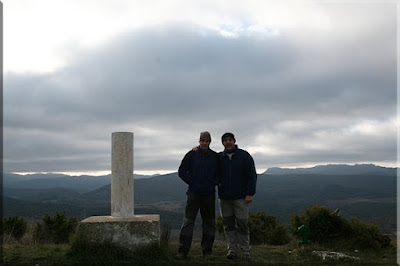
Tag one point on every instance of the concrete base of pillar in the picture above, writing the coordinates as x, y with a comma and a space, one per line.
129, 233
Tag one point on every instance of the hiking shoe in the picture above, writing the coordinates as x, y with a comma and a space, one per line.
180, 256
231, 256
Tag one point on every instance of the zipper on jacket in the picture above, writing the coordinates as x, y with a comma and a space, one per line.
230, 173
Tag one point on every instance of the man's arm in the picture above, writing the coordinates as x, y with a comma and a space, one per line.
252, 179
219, 171
185, 172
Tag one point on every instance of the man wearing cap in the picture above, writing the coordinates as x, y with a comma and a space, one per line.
198, 169
237, 185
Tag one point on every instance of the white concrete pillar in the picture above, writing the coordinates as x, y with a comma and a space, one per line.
122, 175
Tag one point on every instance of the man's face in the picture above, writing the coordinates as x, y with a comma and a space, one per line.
204, 144
228, 143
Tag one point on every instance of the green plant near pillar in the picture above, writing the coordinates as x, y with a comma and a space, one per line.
304, 233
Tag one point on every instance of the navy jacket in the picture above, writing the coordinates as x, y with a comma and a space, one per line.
237, 176
199, 171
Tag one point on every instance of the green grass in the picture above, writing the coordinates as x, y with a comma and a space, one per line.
51, 254
48, 254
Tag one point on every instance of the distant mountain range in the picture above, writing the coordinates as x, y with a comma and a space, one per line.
87, 183
82, 183
335, 169
368, 195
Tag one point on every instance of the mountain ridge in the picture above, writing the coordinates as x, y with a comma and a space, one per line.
86, 183
334, 169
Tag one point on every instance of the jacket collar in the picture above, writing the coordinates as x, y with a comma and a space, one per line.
199, 150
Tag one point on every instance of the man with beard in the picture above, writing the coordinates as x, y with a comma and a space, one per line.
237, 185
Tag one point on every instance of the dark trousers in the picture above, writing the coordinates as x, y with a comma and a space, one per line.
206, 205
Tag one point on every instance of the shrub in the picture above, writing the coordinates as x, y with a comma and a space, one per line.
15, 226
323, 223
368, 235
278, 236
40, 235
264, 229
295, 222
57, 229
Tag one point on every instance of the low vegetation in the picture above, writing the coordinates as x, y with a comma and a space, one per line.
264, 229
57, 242
325, 225
14, 226
57, 229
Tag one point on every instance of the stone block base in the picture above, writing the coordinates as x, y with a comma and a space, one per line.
129, 233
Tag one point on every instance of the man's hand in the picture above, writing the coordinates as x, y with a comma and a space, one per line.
194, 148
248, 199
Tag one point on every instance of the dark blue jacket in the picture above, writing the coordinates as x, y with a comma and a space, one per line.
237, 176
199, 171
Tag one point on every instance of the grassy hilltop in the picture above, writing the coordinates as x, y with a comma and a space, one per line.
56, 241
53, 254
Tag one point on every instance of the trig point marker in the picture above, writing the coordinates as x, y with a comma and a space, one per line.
122, 174
122, 228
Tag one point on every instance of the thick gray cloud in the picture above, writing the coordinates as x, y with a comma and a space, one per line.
305, 96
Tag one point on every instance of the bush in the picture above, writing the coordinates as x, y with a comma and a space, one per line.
264, 229
39, 234
57, 229
325, 225
322, 222
278, 236
15, 226
368, 235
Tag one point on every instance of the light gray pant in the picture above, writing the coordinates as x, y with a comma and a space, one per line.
235, 217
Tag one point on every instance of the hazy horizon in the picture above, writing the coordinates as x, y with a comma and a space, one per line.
157, 172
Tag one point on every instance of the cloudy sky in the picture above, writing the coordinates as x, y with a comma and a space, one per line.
298, 83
